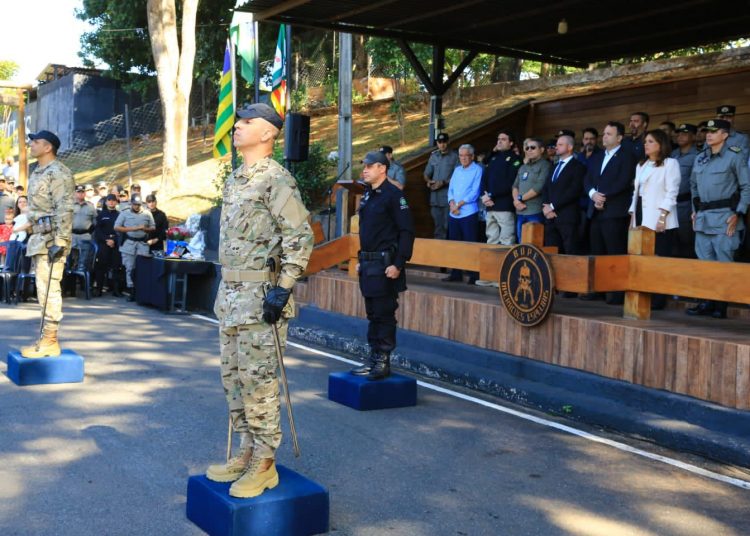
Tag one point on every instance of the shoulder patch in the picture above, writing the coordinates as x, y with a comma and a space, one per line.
735, 149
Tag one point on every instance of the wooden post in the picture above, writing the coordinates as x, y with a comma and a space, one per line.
533, 233
354, 247
23, 164
641, 241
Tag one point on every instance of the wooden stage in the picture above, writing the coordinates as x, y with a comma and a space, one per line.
701, 357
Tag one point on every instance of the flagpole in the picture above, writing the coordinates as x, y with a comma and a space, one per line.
256, 66
233, 69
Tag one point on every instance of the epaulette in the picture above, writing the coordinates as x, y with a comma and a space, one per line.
735, 149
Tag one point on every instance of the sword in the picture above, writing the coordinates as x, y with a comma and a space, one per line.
277, 344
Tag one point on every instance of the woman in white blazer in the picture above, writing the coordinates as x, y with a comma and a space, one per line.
654, 204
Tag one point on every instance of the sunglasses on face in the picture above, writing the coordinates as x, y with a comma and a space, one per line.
530, 148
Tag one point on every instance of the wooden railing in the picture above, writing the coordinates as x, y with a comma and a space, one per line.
638, 274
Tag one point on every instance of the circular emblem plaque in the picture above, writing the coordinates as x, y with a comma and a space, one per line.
526, 284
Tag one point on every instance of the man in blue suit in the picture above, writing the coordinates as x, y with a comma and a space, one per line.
609, 184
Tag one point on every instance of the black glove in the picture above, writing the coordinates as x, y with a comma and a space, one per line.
54, 253
274, 303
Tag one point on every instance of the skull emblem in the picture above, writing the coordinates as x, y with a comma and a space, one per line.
524, 293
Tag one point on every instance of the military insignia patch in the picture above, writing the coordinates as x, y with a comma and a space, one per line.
525, 176
736, 149
516, 163
403, 203
507, 158
526, 285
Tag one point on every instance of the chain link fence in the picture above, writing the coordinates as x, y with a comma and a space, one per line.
111, 147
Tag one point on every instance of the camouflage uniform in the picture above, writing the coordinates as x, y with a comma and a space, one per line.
262, 217
50, 194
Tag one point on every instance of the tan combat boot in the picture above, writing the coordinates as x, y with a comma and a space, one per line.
47, 345
232, 470
255, 480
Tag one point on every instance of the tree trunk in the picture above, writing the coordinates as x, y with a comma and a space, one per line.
174, 74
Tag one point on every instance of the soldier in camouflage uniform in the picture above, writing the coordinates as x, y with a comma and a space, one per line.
263, 218
51, 215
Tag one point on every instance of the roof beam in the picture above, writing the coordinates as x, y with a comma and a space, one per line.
460, 69
282, 7
363, 9
516, 15
638, 15
447, 42
689, 30
417, 66
431, 14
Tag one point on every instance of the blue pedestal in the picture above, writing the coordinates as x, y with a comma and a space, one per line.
297, 506
395, 391
65, 368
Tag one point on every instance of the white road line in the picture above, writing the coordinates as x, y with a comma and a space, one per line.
744, 484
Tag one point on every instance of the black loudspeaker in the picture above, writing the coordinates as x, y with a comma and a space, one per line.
297, 137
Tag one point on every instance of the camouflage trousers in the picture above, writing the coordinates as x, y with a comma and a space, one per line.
248, 373
41, 269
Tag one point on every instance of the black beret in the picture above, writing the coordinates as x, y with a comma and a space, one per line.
261, 111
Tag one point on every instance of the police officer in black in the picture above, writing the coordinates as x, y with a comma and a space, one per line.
386, 234
108, 255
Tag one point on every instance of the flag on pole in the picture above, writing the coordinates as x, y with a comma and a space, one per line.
242, 34
225, 112
278, 93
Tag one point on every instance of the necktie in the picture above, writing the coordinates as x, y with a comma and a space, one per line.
557, 171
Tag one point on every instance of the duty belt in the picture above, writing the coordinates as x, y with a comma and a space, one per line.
143, 239
81, 231
730, 202
245, 276
386, 256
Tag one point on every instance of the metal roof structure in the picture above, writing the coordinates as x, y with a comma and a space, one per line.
596, 31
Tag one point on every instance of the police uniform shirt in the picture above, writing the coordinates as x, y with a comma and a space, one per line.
6, 202
385, 222
717, 177
105, 225
497, 179
532, 176
397, 172
440, 167
739, 139
84, 216
130, 218
686, 161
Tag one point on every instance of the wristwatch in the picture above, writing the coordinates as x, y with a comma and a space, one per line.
520, 197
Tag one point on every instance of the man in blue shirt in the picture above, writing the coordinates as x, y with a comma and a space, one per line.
463, 204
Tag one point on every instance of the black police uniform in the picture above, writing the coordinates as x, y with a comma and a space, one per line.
107, 258
386, 234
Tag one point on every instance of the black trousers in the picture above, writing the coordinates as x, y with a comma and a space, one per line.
610, 237
562, 235
381, 313
107, 259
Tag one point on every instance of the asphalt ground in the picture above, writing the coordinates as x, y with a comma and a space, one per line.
111, 456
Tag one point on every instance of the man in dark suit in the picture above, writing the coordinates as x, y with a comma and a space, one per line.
560, 198
609, 183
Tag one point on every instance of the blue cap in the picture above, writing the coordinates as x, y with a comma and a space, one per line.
48, 136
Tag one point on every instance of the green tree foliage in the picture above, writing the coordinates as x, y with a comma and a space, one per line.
120, 38
8, 69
